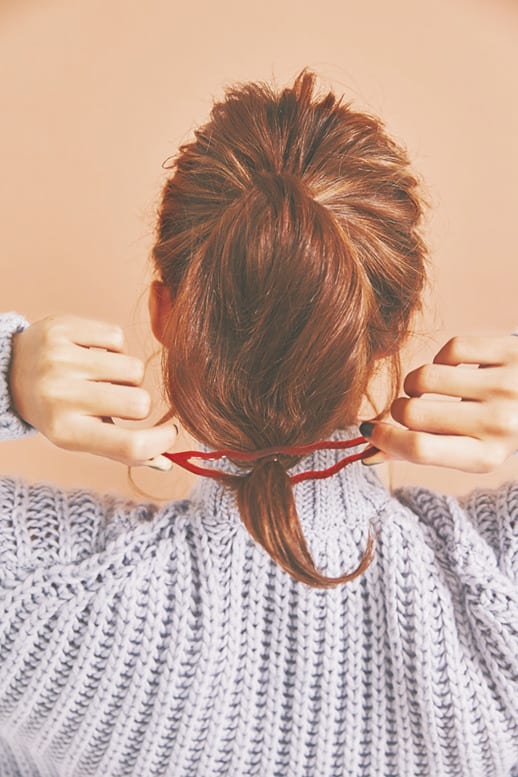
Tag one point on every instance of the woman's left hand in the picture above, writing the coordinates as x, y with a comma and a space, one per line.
477, 434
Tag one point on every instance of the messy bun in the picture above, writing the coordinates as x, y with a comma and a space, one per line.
288, 234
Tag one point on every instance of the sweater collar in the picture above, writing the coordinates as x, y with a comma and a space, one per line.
334, 509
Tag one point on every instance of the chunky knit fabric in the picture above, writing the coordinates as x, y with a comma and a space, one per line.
163, 641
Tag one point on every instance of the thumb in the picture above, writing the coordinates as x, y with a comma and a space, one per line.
385, 438
161, 438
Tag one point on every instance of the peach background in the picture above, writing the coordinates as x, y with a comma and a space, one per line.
95, 95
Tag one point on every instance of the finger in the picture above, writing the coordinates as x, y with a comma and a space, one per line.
107, 399
129, 446
89, 332
457, 452
487, 351
465, 382
474, 419
105, 366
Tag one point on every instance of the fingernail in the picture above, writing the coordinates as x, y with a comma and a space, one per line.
159, 462
366, 428
376, 458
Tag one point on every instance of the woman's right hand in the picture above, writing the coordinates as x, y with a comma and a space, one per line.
67, 390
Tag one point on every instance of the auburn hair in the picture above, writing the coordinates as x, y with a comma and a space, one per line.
289, 236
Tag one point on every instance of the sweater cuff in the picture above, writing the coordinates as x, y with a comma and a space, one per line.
12, 425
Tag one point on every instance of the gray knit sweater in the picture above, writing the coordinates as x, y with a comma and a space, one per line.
146, 640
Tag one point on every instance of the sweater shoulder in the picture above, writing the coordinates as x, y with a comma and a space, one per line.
43, 525
484, 521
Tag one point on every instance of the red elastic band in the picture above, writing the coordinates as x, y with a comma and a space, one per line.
182, 458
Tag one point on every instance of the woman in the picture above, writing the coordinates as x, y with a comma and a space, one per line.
276, 623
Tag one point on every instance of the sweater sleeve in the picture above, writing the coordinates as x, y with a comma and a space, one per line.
477, 534
11, 425
40, 524
494, 513
476, 544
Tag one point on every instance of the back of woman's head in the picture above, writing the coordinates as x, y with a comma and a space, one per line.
288, 235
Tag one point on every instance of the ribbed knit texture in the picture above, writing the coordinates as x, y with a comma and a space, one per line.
163, 641
11, 425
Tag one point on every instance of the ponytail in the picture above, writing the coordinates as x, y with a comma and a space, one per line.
267, 507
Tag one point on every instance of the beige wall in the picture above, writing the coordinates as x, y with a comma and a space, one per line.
95, 95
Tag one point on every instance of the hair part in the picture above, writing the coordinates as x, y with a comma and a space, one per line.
289, 236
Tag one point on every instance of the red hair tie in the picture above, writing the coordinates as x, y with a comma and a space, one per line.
182, 458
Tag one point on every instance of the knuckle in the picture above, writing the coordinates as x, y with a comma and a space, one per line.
511, 425
417, 449
493, 421
502, 420
53, 327
118, 335
55, 355
411, 413
426, 378
456, 348
47, 329
507, 385
135, 449
141, 403
137, 370
492, 456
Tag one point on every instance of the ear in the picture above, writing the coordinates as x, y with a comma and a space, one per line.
159, 305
